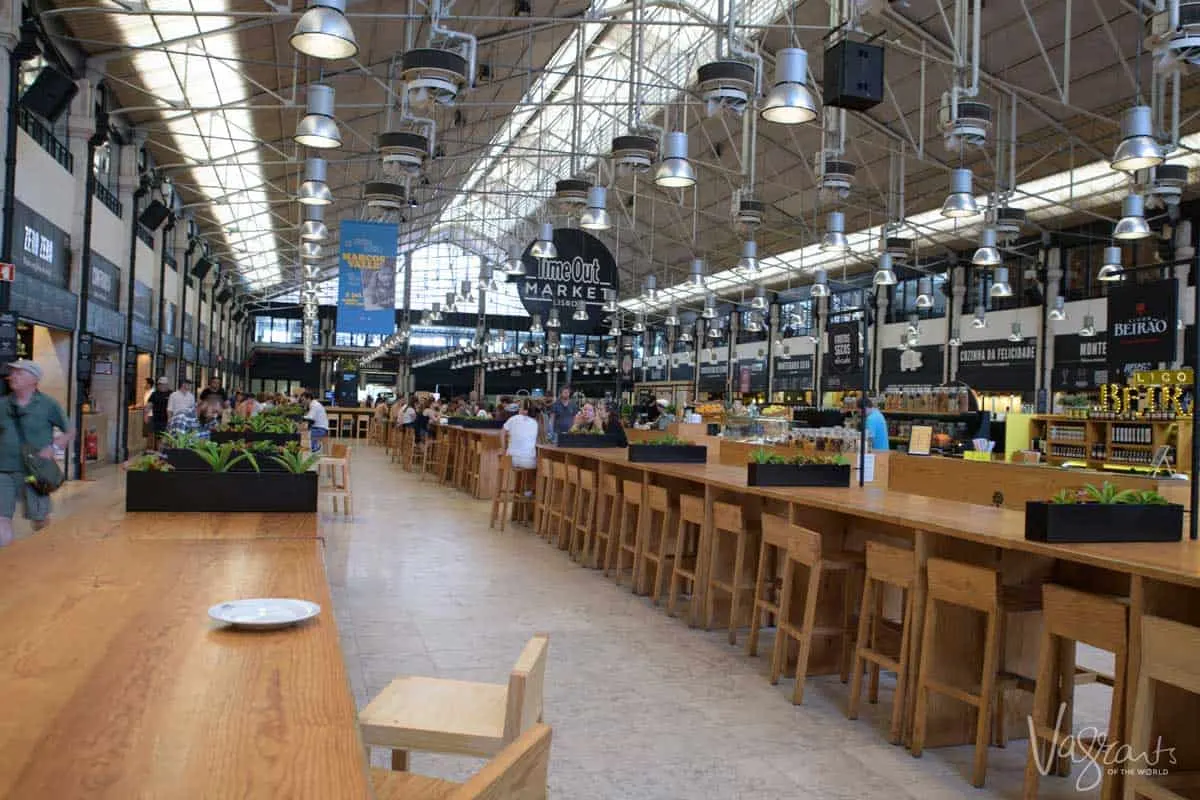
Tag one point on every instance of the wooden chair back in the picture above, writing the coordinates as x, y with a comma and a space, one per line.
728, 517
558, 471
657, 499
1085, 617
587, 480
632, 492
525, 684
609, 487
339, 450
891, 565
776, 530
963, 584
1170, 652
518, 772
691, 509
804, 546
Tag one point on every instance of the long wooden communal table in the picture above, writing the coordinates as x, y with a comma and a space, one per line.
115, 684
1162, 579
489, 454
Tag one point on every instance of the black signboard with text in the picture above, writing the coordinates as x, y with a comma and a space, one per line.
843, 362
793, 374
170, 346
1141, 325
105, 322
1080, 362
40, 249
580, 272
143, 303
105, 285
712, 376
914, 366
998, 365
8, 337
751, 375
682, 372
83, 362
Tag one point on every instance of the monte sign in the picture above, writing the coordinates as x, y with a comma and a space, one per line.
579, 273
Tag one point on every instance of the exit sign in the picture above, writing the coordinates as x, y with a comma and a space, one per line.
7, 272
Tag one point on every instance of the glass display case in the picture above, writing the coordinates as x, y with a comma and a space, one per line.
772, 431
757, 430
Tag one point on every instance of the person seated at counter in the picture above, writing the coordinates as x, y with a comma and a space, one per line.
519, 436
199, 419
610, 423
586, 420
876, 425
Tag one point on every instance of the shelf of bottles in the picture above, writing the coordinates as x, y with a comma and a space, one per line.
1125, 455
1068, 433
1132, 434
1071, 451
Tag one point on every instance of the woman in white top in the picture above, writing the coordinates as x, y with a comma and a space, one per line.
519, 437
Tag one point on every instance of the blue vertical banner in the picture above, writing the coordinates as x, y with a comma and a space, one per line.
367, 277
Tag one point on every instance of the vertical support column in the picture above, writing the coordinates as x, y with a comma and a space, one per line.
958, 296
882, 301
821, 310
1185, 253
731, 364
1054, 275
772, 333
15, 53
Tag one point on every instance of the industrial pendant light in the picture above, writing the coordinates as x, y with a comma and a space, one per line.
1016, 336
1132, 224
313, 228
884, 274
1088, 329
1138, 149
1059, 312
790, 102
820, 287
834, 240
749, 260
714, 329
435, 313
710, 306
595, 217
759, 303
515, 264
697, 271
639, 323
318, 128
581, 313
553, 321
487, 278
672, 319
651, 289
955, 337
987, 255
614, 329
1000, 286
753, 324
535, 323
961, 200
1111, 269
310, 251
980, 319
925, 293
675, 171
610, 301
314, 191
685, 335
544, 247
324, 32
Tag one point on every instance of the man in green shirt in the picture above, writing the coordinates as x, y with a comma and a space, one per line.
37, 416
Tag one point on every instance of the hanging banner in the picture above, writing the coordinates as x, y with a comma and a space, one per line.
998, 365
367, 278
1141, 326
1080, 362
579, 273
914, 366
845, 355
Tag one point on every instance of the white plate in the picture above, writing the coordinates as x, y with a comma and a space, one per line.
264, 613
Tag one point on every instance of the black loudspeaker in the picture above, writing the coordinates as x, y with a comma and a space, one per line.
154, 215
50, 94
202, 266
853, 75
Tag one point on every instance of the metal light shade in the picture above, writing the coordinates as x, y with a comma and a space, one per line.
313, 228
1132, 224
749, 259
544, 247
1016, 336
961, 200
651, 288
955, 337
790, 102
714, 330
1088, 328
595, 217
324, 32
987, 255
1059, 312
1111, 270
553, 321
1000, 286
318, 128
834, 240
535, 323
925, 293
980, 320
760, 298
672, 316
310, 251
675, 171
884, 275
581, 313
820, 287
639, 324
1138, 149
697, 271
314, 191
610, 302
753, 325
710, 306
614, 329
685, 335
515, 265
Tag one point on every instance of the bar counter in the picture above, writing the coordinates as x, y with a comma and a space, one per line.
115, 683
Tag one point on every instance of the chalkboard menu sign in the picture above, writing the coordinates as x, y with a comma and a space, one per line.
143, 336
712, 376
793, 374
1080, 362
655, 373
45, 303
170, 346
998, 365
189, 351
914, 366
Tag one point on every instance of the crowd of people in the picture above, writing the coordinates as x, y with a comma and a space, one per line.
180, 410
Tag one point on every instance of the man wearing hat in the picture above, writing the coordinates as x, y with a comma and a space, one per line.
157, 415
30, 416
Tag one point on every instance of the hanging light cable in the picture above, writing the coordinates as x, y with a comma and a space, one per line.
324, 32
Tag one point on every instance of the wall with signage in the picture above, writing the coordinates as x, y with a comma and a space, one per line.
914, 366
794, 373
42, 254
998, 365
110, 234
1080, 362
146, 266
42, 183
842, 362
1141, 325
712, 375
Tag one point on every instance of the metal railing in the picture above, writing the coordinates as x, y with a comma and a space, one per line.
110, 201
146, 236
42, 134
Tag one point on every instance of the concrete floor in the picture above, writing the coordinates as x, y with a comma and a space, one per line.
642, 706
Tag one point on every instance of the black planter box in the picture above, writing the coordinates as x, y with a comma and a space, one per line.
668, 453
482, 424
190, 461
211, 492
220, 437
797, 474
585, 440
1096, 522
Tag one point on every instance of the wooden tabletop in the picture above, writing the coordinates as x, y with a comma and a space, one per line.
115, 683
1176, 562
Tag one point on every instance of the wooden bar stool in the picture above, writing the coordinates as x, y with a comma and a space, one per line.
656, 545
629, 519
471, 466
977, 588
585, 512
1070, 616
604, 532
567, 508
804, 550
731, 565
897, 568
552, 513
689, 556
1170, 652
510, 493
772, 552
338, 465
437, 454
541, 488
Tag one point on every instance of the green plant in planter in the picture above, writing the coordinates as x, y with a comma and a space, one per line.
585, 431
1065, 497
235, 424
182, 440
222, 457
763, 456
668, 441
296, 460
260, 447
1107, 494
261, 424
1148, 497
150, 462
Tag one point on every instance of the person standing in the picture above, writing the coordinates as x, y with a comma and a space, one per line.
318, 420
29, 417
181, 399
518, 438
157, 416
562, 413
214, 390
876, 425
